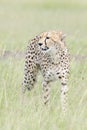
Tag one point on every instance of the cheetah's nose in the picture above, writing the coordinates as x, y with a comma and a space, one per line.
40, 44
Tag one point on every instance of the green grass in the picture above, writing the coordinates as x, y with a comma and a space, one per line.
20, 20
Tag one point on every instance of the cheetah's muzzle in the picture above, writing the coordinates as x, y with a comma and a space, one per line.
45, 49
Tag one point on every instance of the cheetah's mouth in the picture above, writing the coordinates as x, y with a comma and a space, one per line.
45, 49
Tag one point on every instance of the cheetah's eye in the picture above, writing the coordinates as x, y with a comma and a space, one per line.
47, 37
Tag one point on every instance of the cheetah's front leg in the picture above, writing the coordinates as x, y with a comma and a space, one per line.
30, 74
64, 90
46, 92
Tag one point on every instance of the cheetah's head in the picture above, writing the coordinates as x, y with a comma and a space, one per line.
48, 40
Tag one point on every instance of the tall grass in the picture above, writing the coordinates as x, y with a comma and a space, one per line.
19, 22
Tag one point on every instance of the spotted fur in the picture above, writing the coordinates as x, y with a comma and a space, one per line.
48, 53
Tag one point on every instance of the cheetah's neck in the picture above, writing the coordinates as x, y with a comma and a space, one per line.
57, 53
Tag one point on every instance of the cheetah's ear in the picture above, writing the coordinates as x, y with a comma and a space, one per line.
62, 36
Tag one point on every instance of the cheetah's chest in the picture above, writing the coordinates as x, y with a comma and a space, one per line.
52, 73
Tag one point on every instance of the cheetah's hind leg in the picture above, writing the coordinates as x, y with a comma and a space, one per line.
46, 92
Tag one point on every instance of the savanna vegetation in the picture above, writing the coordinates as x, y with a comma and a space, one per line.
21, 20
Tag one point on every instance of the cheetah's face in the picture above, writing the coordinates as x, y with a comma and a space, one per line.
49, 39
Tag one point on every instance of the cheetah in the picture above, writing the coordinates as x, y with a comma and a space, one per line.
48, 53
